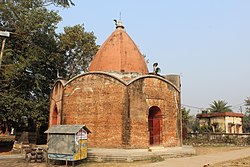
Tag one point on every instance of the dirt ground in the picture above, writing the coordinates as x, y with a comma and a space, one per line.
244, 162
199, 150
202, 150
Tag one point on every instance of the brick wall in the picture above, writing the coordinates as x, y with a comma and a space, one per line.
117, 113
218, 138
96, 101
148, 92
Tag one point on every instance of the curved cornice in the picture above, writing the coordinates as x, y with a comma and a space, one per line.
122, 81
154, 76
59, 81
88, 73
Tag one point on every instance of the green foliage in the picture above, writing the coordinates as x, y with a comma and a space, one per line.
247, 103
189, 122
220, 106
64, 3
248, 140
32, 56
156, 159
205, 128
219, 129
195, 126
78, 48
29, 64
246, 123
246, 118
185, 115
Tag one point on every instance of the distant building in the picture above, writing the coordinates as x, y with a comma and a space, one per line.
228, 122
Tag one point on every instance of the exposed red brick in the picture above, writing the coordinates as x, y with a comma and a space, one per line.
119, 53
116, 111
117, 114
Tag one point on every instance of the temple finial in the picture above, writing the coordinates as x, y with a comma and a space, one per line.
118, 23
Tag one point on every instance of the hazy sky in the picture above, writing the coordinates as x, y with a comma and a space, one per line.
206, 42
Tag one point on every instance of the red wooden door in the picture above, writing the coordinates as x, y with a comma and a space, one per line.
155, 124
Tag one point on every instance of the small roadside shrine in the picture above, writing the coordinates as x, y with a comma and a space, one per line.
67, 142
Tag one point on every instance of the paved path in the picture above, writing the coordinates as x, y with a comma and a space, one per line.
199, 161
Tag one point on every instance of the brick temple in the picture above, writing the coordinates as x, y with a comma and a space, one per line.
122, 104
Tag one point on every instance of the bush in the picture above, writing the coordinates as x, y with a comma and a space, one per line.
205, 128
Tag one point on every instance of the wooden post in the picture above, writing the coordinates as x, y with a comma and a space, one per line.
1, 54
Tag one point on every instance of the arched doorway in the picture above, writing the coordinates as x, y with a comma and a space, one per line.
155, 125
54, 116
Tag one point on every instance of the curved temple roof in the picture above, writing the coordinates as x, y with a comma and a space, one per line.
119, 53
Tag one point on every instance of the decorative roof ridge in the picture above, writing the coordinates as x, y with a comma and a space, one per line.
122, 81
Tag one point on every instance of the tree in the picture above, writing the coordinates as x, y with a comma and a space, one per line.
29, 64
78, 47
185, 114
63, 3
246, 118
220, 106
185, 122
205, 128
32, 56
247, 101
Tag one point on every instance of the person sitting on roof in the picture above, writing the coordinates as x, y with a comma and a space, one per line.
157, 69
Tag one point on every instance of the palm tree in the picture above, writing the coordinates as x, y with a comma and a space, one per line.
220, 106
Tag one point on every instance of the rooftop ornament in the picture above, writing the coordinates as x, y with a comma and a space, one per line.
118, 24
157, 69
